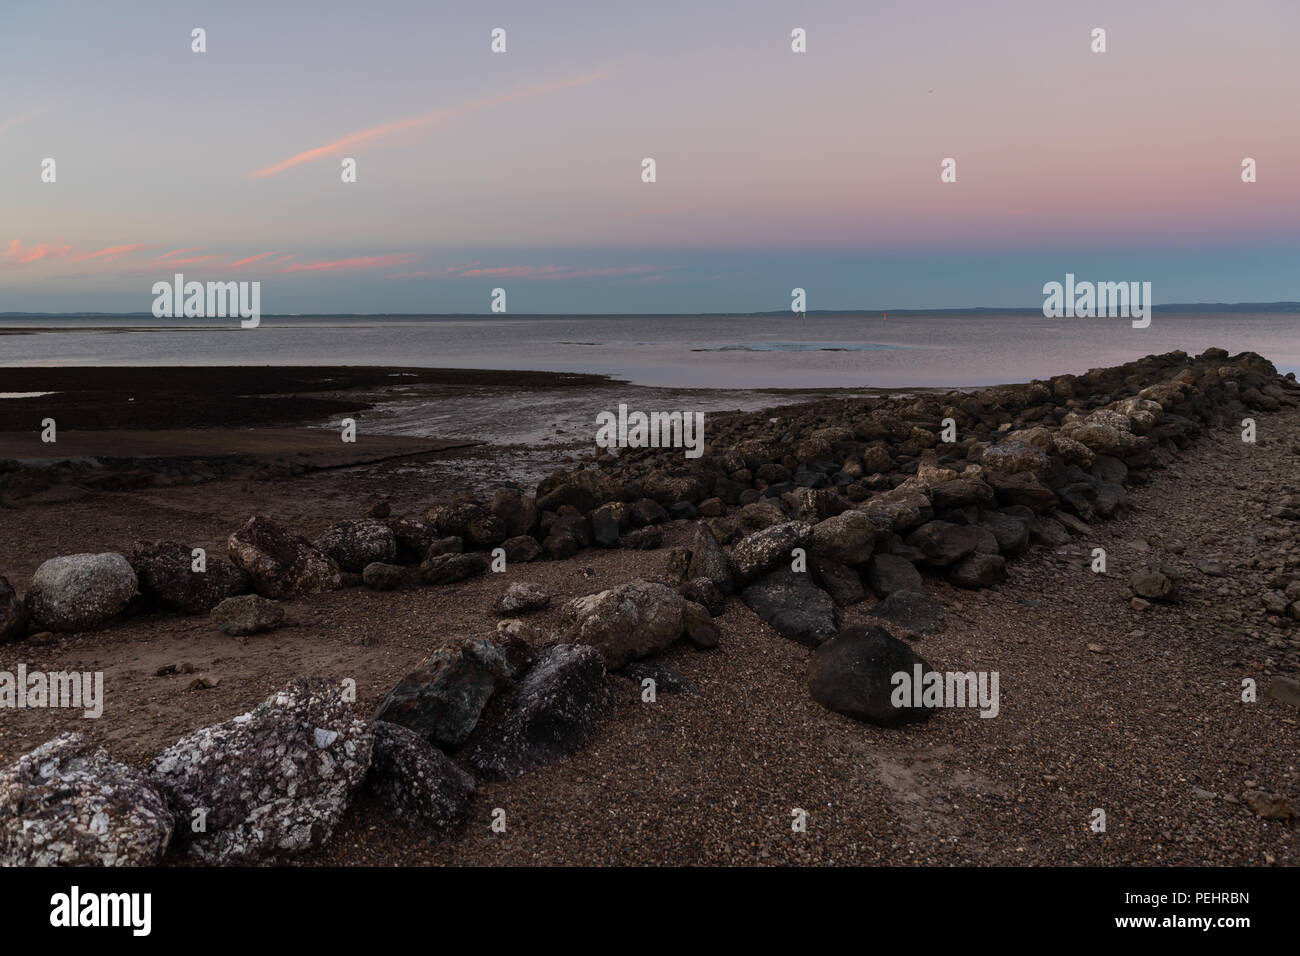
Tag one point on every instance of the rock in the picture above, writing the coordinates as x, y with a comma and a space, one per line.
1152, 584
853, 672
80, 591
898, 510
647, 512
165, 571
794, 606
943, 543
554, 711
887, 573
1286, 690
626, 622
708, 560
413, 538
911, 610
1012, 457
416, 782
1270, 806
14, 616
522, 597
1212, 567
643, 539
764, 551
842, 583
959, 493
472, 523
1010, 531
676, 571
698, 624
608, 522
355, 544
443, 698
247, 614
521, 549
281, 563
705, 592
449, 568
384, 577
978, 570
1022, 489
518, 512
846, 538
667, 678
584, 490
271, 782
379, 509
66, 803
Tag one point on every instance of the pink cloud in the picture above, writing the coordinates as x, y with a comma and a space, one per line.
24, 255
110, 253
415, 122
356, 262
251, 259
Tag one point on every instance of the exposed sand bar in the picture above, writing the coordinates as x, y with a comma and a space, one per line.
312, 447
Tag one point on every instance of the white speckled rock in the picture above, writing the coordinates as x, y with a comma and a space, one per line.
68, 804
271, 782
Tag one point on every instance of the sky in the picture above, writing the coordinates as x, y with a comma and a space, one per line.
522, 170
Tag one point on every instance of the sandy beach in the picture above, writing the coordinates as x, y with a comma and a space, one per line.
1108, 701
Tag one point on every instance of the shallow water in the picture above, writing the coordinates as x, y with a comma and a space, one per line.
678, 351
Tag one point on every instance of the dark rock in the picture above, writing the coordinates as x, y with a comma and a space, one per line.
521, 549
448, 568
698, 624
165, 573
608, 522
853, 674
979, 570
442, 699
416, 782
764, 551
643, 539
1010, 531
942, 543
1153, 584
841, 582
960, 492
14, 616
554, 710
705, 592
472, 523
518, 512
794, 606
384, 577
708, 560
413, 538
584, 490
666, 677
646, 512
846, 538
887, 573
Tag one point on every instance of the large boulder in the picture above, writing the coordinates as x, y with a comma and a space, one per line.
442, 699
416, 782
477, 526
66, 803
899, 509
764, 551
853, 674
553, 712
14, 615
794, 606
272, 782
165, 570
517, 511
79, 591
847, 538
355, 544
911, 610
585, 489
449, 568
626, 622
281, 563
1013, 457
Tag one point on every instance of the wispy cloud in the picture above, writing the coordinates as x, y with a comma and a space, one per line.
110, 253
25, 255
426, 119
357, 262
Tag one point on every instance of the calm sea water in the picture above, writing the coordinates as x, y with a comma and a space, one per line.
673, 351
